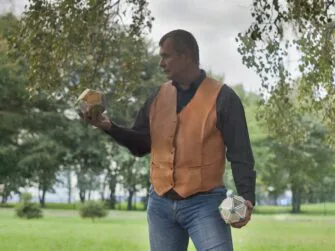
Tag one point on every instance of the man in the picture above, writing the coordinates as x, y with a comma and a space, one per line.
189, 126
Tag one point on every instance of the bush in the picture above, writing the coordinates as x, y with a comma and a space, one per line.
27, 209
93, 209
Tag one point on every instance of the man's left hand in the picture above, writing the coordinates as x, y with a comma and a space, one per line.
241, 224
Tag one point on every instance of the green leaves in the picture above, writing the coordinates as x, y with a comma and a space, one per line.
57, 49
305, 28
70, 44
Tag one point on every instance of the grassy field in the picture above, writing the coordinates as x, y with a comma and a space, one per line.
64, 230
310, 209
307, 209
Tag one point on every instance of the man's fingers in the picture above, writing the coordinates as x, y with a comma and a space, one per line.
249, 205
241, 223
94, 117
86, 114
87, 117
238, 224
247, 218
81, 115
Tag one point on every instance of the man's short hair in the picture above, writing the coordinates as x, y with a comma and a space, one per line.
183, 41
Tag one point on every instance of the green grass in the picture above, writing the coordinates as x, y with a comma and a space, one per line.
73, 206
308, 209
64, 230
312, 209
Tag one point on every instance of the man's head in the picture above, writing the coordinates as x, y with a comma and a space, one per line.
179, 53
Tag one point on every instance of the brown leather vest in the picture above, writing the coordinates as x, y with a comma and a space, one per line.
187, 149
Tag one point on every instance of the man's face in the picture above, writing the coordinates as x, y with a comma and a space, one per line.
173, 63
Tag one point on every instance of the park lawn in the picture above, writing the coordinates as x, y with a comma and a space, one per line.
64, 230
310, 209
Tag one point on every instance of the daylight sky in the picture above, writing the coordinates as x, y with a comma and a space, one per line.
214, 23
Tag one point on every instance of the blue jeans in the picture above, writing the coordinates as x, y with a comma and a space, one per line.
171, 223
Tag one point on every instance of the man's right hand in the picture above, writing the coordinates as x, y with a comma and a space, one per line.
98, 120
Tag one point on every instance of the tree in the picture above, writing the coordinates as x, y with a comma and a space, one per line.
268, 169
10, 173
41, 160
306, 27
306, 164
298, 142
281, 161
25, 121
86, 154
71, 45
12, 116
112, 174
67, 172
133, 172
127, 61
123, 113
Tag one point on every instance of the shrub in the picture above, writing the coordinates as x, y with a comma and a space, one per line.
27, 209
93, 209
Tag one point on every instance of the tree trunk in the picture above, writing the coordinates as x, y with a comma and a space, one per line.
82, 195
120, 203
42, 198
275, 198
112, 200
112, 188
69, 187
89, 194
134, 201
102, 192
4, 195
296, 200
130, 200
4, 198
69, 196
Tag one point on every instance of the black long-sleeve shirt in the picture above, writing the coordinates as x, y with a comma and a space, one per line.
231, 122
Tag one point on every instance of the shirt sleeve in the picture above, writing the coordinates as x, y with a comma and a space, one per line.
233, 125
137, 139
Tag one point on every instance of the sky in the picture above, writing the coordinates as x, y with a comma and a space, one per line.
214, 23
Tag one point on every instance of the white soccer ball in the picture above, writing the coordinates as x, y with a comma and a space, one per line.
233, 209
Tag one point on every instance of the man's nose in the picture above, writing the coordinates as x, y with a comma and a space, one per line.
162, 63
